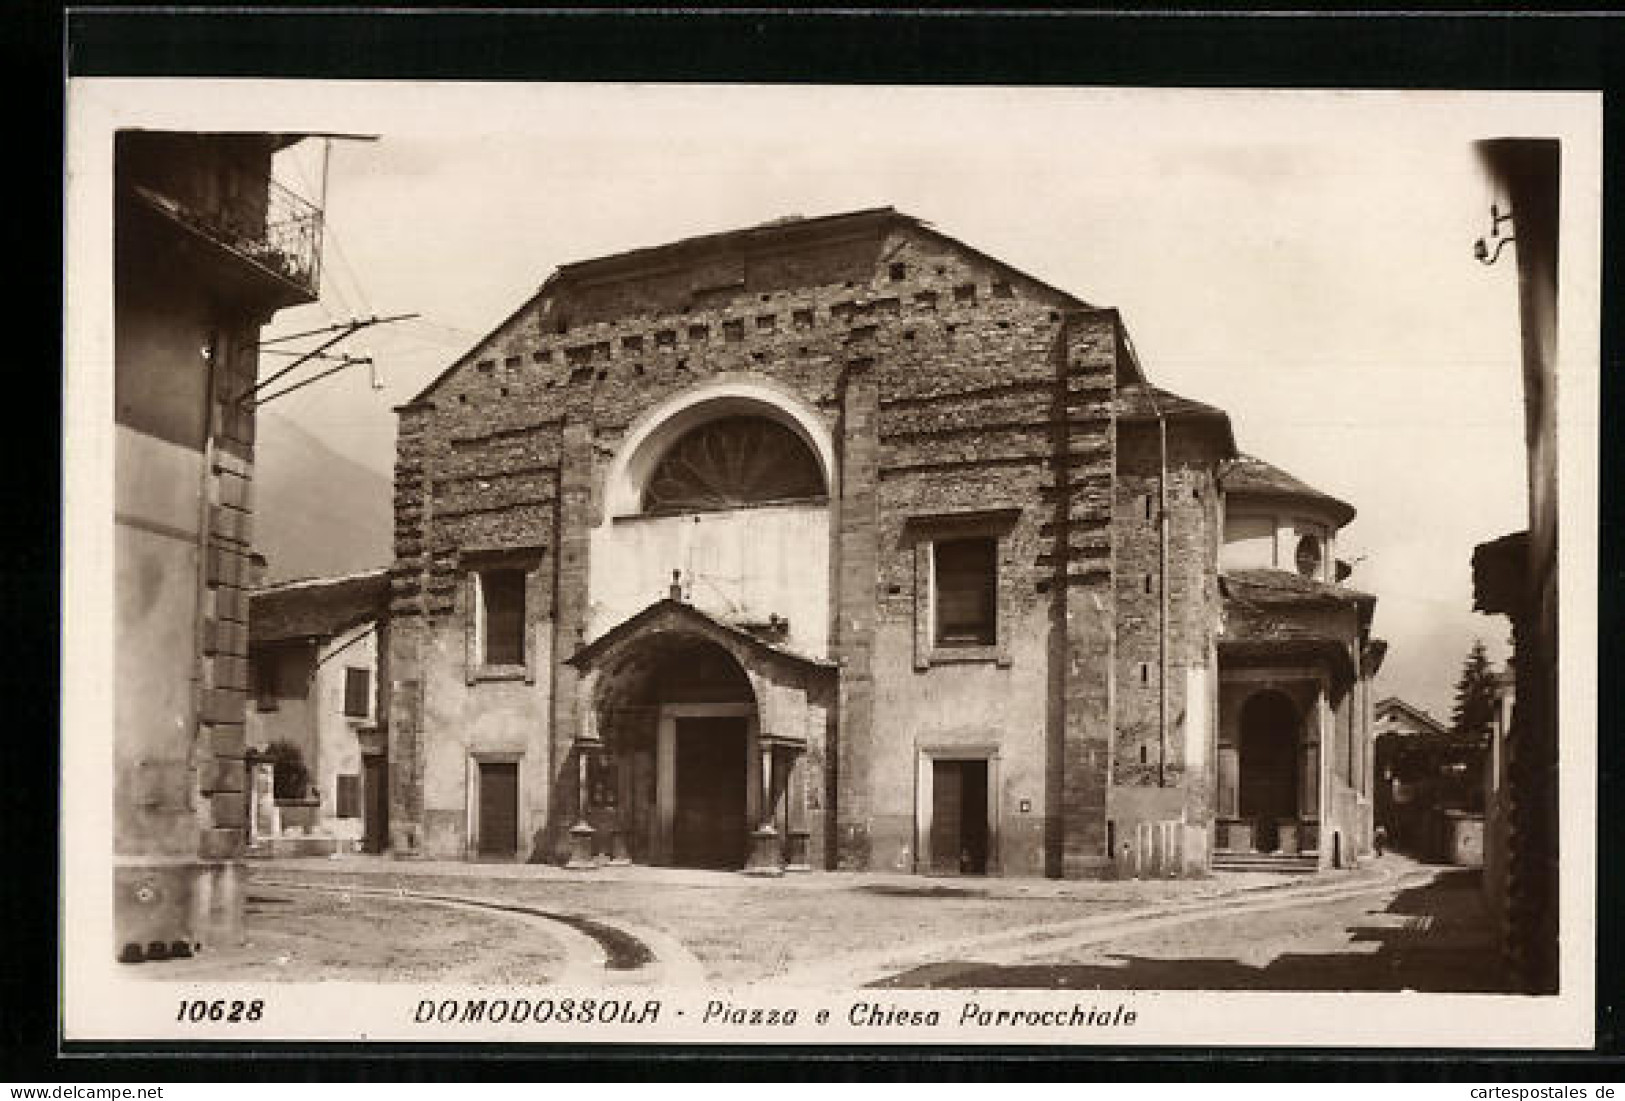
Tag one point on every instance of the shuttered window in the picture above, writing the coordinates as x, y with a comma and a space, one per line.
966, 574
502, 593
349, 793
357, 689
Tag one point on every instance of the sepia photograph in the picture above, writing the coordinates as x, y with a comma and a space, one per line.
830, 564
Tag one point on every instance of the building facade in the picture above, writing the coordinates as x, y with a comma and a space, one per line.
314, 669
837, 543
1516, 575
206, 249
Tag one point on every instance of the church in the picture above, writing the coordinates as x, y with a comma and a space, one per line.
837, 543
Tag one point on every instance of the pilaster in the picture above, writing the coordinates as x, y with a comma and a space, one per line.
857, 579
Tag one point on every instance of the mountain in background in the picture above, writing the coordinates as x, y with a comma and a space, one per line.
316, 513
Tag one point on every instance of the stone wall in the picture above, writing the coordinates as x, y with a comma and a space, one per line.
947, 382
186, 334
1159, 776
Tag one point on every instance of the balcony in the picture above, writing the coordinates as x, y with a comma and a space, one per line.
270, 254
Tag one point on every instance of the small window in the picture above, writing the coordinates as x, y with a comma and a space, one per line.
357, 690
965, 292
349, 796
898, 272
502, 615
1309, 556
966, 572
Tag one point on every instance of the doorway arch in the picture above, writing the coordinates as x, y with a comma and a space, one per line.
1268, 765
678, 717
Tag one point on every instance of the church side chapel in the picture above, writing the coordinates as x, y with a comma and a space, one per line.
837, 543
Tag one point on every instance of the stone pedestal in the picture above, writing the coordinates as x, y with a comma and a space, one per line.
264, 819
618, 856
764, 853
1235, 835
581, 855
795, 851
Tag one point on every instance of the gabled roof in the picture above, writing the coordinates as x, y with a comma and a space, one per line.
772, 232
1395, 705
676, 613
1249, 476
779, 231
317, 607
1141, 401
775, 233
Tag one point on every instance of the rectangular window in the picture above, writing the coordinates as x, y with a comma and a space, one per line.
349, 793
502, 615
966, 576
357, 690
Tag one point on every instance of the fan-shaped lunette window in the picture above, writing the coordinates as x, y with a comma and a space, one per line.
731, 462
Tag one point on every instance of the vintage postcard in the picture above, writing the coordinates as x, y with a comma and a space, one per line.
829, 565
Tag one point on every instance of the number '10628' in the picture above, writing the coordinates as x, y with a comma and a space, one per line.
220, 1010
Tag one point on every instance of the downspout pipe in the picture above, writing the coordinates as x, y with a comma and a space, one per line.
1162, 588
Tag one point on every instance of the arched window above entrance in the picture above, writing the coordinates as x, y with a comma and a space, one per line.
732, 462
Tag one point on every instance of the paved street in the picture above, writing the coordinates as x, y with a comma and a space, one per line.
1428, 936
1390, 926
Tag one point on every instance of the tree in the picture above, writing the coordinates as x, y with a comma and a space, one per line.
290, 778
1476, 693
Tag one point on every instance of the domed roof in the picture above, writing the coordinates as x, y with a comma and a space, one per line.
1249, 476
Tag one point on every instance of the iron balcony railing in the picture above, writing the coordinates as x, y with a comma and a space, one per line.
284, 238
291, 244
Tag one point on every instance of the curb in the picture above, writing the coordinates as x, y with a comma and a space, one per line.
587, 963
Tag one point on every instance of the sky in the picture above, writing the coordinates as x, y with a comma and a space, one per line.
1303, 260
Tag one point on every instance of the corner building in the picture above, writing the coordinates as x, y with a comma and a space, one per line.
837, 543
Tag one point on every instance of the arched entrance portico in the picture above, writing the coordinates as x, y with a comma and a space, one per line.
692, 745
1268, 788
677, 714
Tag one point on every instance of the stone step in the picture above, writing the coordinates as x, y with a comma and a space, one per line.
1294, 863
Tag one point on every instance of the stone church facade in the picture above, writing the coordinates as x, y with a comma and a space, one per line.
837, 543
